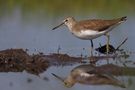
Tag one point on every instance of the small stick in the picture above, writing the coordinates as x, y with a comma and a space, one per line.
121, 44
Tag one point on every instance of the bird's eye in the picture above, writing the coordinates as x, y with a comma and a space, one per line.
65, 83
66, 20
68, 85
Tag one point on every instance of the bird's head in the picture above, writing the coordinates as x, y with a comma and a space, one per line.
68, 22
68, 82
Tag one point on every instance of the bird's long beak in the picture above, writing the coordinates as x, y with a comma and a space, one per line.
61, 79
58, 26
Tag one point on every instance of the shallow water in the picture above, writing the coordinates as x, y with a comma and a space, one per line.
28, 24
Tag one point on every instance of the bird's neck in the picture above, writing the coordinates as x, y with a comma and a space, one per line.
71, 79
71, 25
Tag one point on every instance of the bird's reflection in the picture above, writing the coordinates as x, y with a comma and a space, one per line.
89, 75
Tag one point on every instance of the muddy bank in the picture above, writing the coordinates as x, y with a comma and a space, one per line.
18, 60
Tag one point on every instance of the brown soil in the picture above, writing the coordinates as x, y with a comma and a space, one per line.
18, 60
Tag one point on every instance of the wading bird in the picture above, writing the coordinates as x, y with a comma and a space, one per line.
91, 29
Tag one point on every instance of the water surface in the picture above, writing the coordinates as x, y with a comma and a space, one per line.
27, 24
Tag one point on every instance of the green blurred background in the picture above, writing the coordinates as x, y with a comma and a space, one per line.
51, 8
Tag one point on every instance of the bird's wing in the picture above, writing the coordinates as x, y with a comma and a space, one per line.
98, 24
84, 76
105, 75
113, 79
87, 74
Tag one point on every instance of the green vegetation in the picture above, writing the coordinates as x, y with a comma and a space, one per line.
72, 7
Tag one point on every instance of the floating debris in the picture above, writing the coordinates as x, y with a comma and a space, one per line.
102, 49
29, 80
112, 49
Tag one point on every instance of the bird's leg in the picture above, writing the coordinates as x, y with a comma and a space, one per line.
92, 59
91, 47
107, 45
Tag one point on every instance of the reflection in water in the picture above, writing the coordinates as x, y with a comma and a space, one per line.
28, 23
91, 75
18, 60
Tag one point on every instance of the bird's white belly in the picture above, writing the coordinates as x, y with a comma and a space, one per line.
86, 75
88, 34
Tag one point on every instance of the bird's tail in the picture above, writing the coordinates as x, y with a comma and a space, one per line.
114, 80
120, 84
117, 82
123, 18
